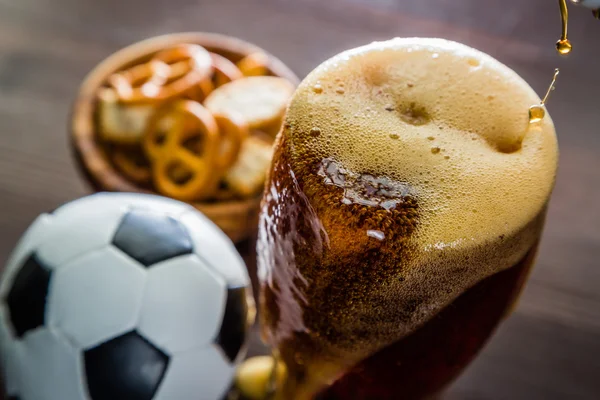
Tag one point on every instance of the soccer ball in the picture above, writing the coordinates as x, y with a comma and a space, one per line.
123, 296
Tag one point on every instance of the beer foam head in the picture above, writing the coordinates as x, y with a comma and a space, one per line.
446, 119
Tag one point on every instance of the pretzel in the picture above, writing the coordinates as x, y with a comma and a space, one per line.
232, 132
255, 64
197, 92
140, 83
190, 66
132, 164
200, 92
225, 71
167, 151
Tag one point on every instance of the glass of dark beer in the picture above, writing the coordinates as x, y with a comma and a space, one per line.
401, 218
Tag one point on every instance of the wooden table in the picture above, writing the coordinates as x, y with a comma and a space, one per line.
550, 347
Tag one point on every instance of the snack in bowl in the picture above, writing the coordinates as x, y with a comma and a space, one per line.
141, 82
179, 115
225, 70
260, 100
119, 122
255, 64
233, 131
167, 150
247, 176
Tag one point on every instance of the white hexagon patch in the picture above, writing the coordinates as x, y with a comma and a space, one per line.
183, 304
215, 248
199, 374
52, 367
96, 297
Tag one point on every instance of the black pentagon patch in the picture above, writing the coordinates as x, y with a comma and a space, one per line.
151, 237
26, 299
233, 328
127, 367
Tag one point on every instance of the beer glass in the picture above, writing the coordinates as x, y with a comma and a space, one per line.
401, 218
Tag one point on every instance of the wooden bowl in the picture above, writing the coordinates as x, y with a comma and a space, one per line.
238, 218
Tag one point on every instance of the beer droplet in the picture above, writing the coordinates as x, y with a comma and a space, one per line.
447, 157
473, 62
318, 89
435, 150
340, 90
563, 46
376, 234
430, 138
314, 132
390, 107
536, 113
394, 136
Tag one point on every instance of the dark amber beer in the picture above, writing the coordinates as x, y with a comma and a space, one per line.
401, 217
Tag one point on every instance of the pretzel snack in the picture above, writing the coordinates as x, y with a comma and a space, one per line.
140, 83
225, 70
255, 64
168, 150
233, 131
190, 66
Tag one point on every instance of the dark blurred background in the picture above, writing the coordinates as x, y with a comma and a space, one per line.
550, 347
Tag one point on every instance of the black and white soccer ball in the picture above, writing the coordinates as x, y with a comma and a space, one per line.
123, 296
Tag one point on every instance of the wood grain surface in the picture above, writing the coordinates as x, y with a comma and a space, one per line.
550, 347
